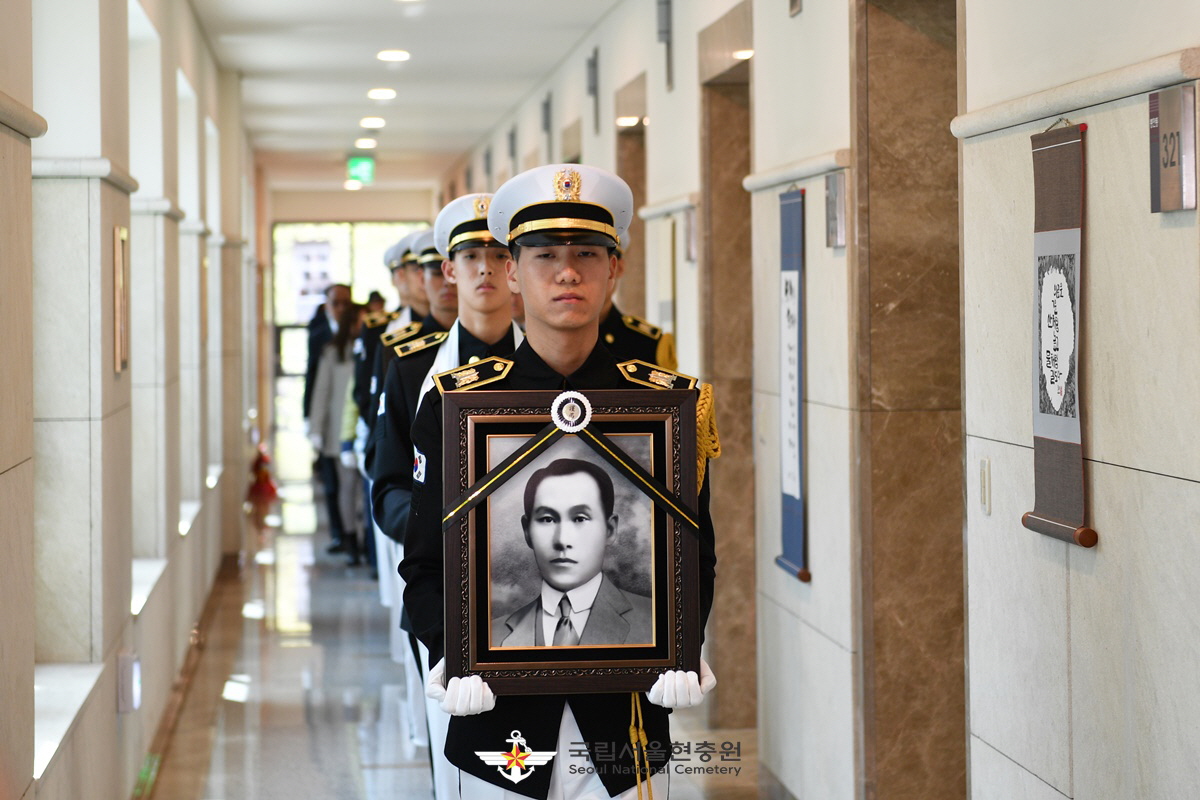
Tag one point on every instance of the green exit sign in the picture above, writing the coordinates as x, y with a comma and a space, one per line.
361, 168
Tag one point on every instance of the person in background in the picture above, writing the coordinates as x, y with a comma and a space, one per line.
321, 328
627, 336
334, 371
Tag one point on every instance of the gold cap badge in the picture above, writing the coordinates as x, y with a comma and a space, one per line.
567, 185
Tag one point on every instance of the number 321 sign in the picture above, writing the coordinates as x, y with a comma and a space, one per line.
1173, 149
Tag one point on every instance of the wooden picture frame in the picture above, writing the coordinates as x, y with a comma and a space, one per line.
120, 299
504, 512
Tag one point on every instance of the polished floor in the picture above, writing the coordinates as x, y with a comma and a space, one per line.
295, 694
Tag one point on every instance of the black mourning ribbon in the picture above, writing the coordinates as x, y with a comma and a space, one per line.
542, 440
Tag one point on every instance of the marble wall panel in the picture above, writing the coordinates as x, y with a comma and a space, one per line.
1134, 641
16, 324
914, 566
111, 211
631, 165
62, 299
149, 473
826, 309
728, 330
112, 541
16, 630
1017, 642
147, 359
1140, 296
64, 579
995, 776
87, 763
913, 232
997, 197
731, 625
827, 602
765, 290
170, 298
808, 725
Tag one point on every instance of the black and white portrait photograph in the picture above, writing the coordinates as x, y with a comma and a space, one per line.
570, 549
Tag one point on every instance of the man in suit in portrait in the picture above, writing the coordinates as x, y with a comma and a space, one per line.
568, 522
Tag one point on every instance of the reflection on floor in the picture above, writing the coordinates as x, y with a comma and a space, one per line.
295, 694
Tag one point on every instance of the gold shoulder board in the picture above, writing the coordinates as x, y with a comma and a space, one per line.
419, 344
472, 376
375, 319
400, 334
644, 374
641, 326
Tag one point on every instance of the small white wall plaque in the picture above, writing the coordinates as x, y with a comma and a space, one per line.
1173, 149
835, 209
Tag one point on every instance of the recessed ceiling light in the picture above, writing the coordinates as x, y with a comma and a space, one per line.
382, 94
352, 185
743, 55
393, 55
372, 122
366, 143
628, 122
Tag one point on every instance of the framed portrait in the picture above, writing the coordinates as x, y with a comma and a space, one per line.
570, 538
120, 298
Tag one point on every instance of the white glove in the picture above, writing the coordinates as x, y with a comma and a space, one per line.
679, 689
316, 440
462, 697
348, 459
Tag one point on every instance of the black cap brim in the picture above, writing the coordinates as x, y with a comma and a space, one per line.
555, 238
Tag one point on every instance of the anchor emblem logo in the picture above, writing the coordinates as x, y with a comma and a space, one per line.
518, 763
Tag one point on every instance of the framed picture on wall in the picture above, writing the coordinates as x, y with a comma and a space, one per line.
558, 500
120, 298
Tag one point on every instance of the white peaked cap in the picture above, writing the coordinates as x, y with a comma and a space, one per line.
463, 223
562, 203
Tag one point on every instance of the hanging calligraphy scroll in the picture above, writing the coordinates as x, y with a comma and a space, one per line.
791, 383
1059, 507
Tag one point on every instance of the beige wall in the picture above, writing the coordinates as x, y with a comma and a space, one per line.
1015, 49
91, 466
367, 205
1080, 661
16, 464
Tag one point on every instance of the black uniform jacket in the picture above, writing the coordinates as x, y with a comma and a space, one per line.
392, 466
364, 359
602, 718
629, 337
384, 355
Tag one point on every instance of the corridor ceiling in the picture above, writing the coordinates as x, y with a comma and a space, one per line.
307, 66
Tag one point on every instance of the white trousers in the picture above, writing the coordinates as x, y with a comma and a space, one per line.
580, 783
445, 774
384, 554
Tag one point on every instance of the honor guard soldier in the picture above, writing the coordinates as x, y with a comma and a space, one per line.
410, 274
475, 265
627, 336
562, 224
443, 309
376, 324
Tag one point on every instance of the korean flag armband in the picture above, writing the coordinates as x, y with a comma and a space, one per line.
418, 466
